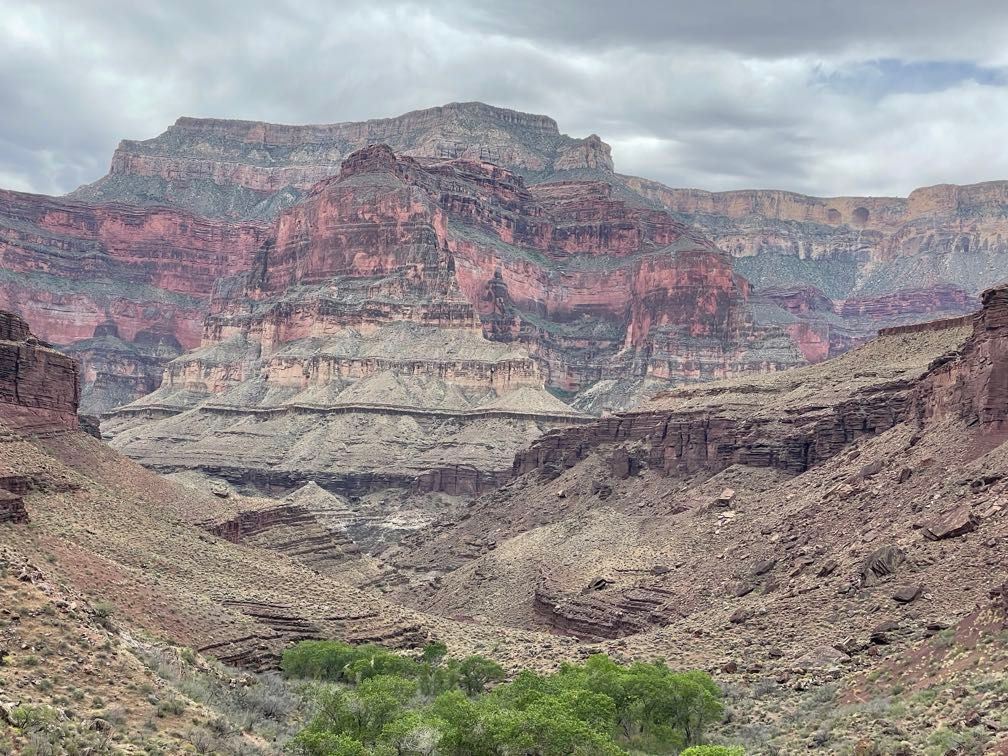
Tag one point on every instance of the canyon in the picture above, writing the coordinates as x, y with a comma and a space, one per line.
393, 309
863, 493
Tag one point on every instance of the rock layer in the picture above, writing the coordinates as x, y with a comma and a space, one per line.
140, 275
141, 250
39, 387
397, 328
230, 168
873, 261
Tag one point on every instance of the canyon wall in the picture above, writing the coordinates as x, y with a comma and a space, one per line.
873, 261
136, 280
581, 267
405, 324
250, 169
38, 385
39, 389
972, 384
792, 421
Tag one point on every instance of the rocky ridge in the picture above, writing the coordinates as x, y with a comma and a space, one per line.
862, 494
123, 269
243, 169
400, 327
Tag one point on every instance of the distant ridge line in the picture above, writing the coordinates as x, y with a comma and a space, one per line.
929, 325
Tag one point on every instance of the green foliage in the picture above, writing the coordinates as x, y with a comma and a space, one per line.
475, 673
434, 652
713, 750
310, 742
341, 662
372, 701
26, 717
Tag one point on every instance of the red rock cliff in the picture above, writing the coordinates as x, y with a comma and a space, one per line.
143, 274
39, 387
973, 384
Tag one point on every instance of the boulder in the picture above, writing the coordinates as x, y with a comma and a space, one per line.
739, 616
880, 563
739, 588
951, 524
599, 583
821, 657
828, 568
725, 497
764, 566
904, 594
872, 468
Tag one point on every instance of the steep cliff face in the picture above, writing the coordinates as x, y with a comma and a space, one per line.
972, 385
400, 327
39, 387
874, 261
253, 169
141, 275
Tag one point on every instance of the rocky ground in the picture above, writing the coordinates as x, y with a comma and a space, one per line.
803, 536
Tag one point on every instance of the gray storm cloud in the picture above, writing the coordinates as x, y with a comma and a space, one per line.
858, 97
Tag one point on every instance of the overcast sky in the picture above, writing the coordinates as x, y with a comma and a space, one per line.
816, 96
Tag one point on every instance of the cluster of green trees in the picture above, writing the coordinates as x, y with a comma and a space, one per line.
372, 702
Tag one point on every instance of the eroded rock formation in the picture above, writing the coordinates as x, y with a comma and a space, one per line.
973, 384
398, 327
123, 270
127, 285
873, 261
39, 386
219, 167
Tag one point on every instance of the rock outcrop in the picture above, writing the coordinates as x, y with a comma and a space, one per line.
791, 423
12, 490
400, 326
973, 384
39, 390
39, 386
227, 168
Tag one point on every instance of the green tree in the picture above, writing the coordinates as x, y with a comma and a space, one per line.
434, 653
376, 702
713, 750
414, 734
476, 671
548, 728
320, 743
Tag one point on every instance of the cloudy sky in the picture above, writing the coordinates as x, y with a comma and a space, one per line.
817, 96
